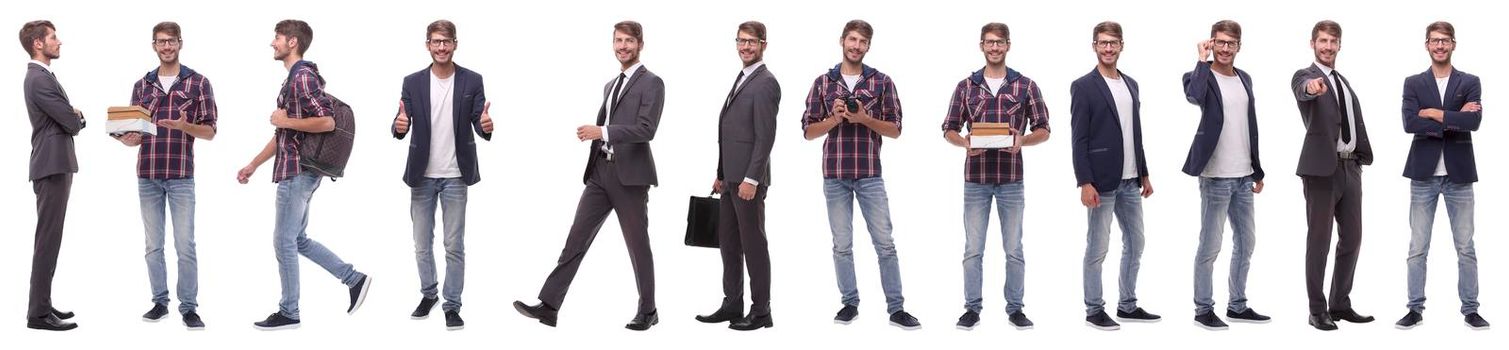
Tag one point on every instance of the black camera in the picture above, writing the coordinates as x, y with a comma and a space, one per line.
852, 103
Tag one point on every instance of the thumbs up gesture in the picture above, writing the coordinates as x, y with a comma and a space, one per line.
487, 119
401, 124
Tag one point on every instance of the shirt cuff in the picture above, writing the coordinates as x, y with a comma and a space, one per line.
751, 181
604, 129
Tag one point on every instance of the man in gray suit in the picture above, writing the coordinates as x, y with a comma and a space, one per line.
54, 122
746, 133
1330, 165
620, 171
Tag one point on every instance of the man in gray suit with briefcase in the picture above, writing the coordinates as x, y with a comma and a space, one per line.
54, 122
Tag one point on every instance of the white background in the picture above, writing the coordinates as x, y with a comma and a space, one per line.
545, 64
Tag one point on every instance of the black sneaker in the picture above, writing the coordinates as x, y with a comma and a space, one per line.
276, 322
1019, 320
846, 315
1102, 321
968, 320
1410, 320
192, 321
1247, 316
453, 320
1476, 322
157, 313
1138, 315
425, 305
359, 294
1209, 321
905, 321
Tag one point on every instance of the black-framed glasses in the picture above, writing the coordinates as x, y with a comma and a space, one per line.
995, 43
1108, 43
167, 42
1440, 41
748, 42
441, 42
1228, 44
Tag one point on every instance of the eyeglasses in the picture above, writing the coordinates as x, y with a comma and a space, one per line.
167, 42
748, 42
1228, 44
441, 42
1108, 43
995, 43
1440, 41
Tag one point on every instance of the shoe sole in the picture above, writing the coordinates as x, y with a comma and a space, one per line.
361, 298
905, 327
277, 328
200, 328
965, 328
1469, 326
412, 317
1022, 328
1103, 328
456, 328
151, 320
1417, 324
842, 322
1138, 320
1210, 328
1243, 320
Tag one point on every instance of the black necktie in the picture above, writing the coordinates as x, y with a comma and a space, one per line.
612, 102
1341, 99
733, 89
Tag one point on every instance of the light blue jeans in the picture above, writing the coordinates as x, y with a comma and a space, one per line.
176, 196
1422, 213
451, 196
1125, 202
1221, 198
290, 241
873, 204
1009, 205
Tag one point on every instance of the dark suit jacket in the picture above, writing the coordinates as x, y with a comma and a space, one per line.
1202, 89
1322, 117
1096, 132
1431, 138
53, 125
746, 129
631, 127
468, 100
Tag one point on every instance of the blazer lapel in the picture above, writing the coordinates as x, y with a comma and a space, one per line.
1452, 84
747, 79
638, 73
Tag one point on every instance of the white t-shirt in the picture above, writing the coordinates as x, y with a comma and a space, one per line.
442, 164
850, 80
995, 84
165, 82
1123, 96
1441, 88
1233, 153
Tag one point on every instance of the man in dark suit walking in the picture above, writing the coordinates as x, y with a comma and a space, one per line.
620, 171
1330, 165
746, 134
54, 123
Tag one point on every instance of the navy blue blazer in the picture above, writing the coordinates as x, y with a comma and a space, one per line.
469, 99
1096, 132
1201, 88
1431, 138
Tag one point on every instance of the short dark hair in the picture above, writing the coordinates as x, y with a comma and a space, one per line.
33, 31
1443, 27
1227, 26
296, 29
443, 27
631, 28
858, 26
754, 28
168, 28
1329, 26
1108, 27
997, 28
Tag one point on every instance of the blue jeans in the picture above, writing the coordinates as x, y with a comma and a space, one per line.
870, 192
1125, 202
1422, 213
176, 196
1221, 198
451, 195
1009, 206
289, 242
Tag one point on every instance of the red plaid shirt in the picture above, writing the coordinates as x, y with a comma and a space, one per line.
170, 154
852, 151
1019, 103
303, 96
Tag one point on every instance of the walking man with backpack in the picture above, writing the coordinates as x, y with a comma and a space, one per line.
303, 111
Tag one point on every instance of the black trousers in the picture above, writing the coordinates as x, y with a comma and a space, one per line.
52, 206
741, 240
1335, 198
605, 194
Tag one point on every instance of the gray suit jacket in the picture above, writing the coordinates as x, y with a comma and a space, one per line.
746, 129
631, 127
53, 125
1322, 117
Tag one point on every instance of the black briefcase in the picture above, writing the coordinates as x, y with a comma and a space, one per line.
702, 222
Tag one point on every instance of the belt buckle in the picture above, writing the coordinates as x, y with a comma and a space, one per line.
1346, 155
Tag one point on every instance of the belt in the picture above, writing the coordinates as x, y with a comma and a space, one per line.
1346, 155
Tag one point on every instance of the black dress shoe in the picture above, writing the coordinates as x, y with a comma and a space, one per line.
1322, 322
50, 323
752, 322
726, 313
644, 321
62, 315
542, 312
1350, 316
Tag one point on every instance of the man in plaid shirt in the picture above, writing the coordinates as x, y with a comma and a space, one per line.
995, 94
183, 107
303, 107
854, 105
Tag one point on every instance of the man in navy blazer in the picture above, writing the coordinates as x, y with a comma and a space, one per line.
1224, 155
1442, 107
1111, 172
442, 105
